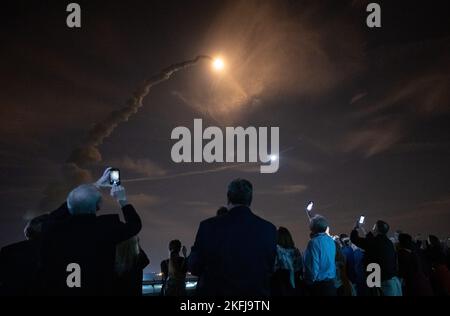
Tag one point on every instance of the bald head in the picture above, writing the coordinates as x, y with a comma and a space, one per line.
84, 199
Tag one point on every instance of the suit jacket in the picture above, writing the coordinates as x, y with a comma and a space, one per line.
57, 216
89, 241
19, 268
234, 254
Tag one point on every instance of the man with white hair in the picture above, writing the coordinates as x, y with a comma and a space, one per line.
87, 240
62, 212
84, 199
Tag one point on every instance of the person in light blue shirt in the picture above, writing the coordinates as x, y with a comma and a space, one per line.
320, 266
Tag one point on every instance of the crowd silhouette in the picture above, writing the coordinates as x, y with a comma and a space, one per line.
235, 253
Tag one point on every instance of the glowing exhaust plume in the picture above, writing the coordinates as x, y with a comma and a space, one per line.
218, 64
73, 170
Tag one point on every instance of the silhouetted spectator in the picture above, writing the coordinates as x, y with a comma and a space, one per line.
440, 280
20, 262
354, 265
288, 269
174, 270
87, 240
447, 242
379, 249
341, 282
440, 275
131, 261
360, 271
320, 255
425, 261
348, 253
435, 251
222, 211
410, 269
234, 254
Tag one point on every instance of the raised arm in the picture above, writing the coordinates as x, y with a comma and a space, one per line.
357, 240
132, 225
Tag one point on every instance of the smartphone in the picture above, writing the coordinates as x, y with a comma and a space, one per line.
114, 177
310, 205
361, 219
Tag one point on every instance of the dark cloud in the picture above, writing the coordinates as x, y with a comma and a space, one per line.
144, 201
378, 136
290, 188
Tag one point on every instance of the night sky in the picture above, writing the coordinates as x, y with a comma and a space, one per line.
363, 113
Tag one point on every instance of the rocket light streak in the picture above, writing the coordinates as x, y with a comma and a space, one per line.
186, 174
194, 173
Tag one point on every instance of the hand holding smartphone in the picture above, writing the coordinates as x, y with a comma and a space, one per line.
309, 208
361, 220
114, 176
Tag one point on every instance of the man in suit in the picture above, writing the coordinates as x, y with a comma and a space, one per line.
87, 240
20, 262
234, 254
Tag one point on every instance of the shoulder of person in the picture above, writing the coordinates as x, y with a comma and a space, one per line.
164, 262
128, 207
60, 213
109, 219
12, 248
211, 221
55, 226
264, 222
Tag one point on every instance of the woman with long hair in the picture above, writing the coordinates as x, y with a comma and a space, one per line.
286, 279
129, 268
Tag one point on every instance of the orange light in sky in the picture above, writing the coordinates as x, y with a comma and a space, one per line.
218, 64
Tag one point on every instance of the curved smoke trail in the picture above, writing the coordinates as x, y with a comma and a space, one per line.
73, 170
103, 129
